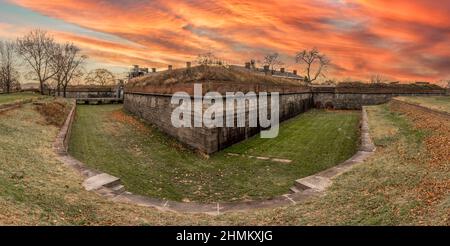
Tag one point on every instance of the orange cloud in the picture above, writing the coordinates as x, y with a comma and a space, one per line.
403, 39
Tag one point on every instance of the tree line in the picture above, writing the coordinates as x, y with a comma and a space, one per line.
47, 62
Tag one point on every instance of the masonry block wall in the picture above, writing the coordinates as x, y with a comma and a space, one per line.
153, 104
156, 109
356, 98
87, 91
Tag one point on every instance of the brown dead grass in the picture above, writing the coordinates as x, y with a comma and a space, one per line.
208, 73
438, 143
435, 186
382, 127
438, 103
121, 117
54, 111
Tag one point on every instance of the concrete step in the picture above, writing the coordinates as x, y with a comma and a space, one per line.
118, 188
113, 183
300, 186
103, 179
313, 182
294, 190
281, 160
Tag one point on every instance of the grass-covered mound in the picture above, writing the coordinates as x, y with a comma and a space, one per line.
54, 110
414, 88
214, 78
17, 97
150, 163
389, 85
209, 73
438, 103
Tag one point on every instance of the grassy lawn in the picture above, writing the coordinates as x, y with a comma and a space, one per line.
13, 97
440, 103
150, 163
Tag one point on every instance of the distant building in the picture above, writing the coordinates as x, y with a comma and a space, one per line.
31, 86
282, 73
136, 71
95, 91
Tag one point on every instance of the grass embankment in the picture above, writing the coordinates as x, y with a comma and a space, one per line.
14, 97
150, 163
209, 73
439, 103
36, 189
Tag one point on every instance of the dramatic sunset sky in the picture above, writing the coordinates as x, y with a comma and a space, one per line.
402, 39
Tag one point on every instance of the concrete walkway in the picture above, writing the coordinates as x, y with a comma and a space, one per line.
305, 188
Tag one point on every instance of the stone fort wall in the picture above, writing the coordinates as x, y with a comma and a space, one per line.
156, 108
356, 98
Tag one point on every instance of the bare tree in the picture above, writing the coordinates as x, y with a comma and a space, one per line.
69, 61
40, 51
378, 78
273, 61
206, 59
9, 76
443, 83
100, 77
315, 63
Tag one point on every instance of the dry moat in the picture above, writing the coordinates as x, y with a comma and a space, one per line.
151, 163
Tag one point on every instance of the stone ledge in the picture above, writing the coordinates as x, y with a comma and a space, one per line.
105, 184
314, 182
261, 158
101, 180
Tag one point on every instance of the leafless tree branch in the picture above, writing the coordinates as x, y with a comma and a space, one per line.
313, 60
100, 77
9, 76
273, 61
40, 51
